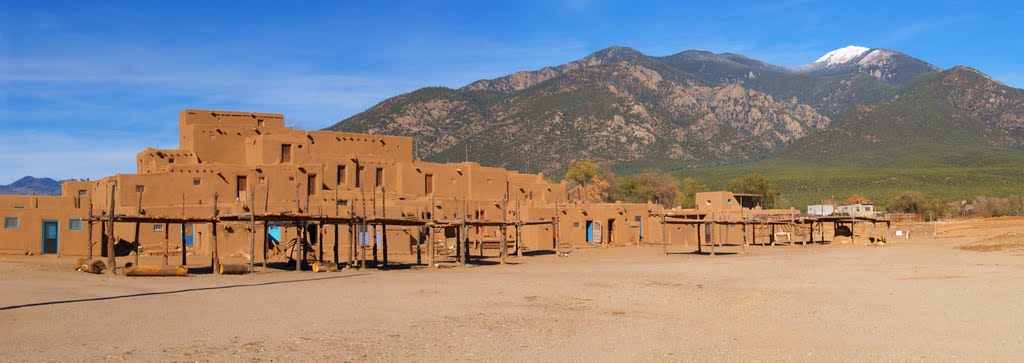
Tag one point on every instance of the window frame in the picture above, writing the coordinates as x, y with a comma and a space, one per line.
72, 222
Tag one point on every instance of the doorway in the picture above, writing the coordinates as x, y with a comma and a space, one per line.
50, 237
611, 231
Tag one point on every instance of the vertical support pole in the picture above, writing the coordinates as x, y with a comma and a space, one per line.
664, 233
519, 222
352, 234
430, 245
419, 242
503, 229
215, 262
337, 214
135, 240
744, 248
298, 232
167, 242
88, 241
266, 224
714, 236
111, 261
266, 241
700, 237
373, 228
465, 232
773, 234
558, 234
384, 226
252, 228
184, 248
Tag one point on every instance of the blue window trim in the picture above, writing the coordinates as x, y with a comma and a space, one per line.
71, 224
8, 219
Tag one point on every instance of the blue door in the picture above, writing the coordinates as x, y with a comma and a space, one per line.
50, 237
275, 234
189, 231
590, 231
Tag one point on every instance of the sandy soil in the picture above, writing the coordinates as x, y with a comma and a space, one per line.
919, 299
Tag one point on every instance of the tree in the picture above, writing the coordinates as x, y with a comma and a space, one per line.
589, 182
688, 195
653, 186
908, 202
581, 172
755, 183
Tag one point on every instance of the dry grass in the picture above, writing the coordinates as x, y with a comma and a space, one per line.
1007, 241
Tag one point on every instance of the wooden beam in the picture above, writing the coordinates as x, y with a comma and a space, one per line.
111, 261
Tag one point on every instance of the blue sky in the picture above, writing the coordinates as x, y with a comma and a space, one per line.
86, 85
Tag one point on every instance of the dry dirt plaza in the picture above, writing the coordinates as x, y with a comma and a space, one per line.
957, 296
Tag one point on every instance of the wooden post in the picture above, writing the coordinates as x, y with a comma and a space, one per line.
419, 240
135, 240
664, 233
465, 229
519, 222
88, 241
184, 248
252, 228
352, 235
373, 229
743, 249
811, 234
298, 231
699, 239
167, 241
111, 261
383, 226
337, 213
773, 234
430, 246
503, 230
266, 224
558, 234
266, 241
215, 262
714, 235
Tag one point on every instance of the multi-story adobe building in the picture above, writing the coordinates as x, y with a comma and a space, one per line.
237, 162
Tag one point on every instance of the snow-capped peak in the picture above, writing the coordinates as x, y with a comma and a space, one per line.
841, 55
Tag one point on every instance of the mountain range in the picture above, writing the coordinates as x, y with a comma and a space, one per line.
698, 110
32, 186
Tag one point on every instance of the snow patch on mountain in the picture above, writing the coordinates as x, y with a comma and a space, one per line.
842, 55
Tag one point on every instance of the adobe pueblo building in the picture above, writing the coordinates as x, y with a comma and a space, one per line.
244, 187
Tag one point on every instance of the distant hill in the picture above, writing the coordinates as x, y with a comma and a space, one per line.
852, 112
30, 185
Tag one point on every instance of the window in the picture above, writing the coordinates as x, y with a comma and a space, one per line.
286, 153
428, 183
139, 188
575, 224
311, 184
82, 193
341, 175
359, 172
637, 218
343, 202
242, 185
158, 227
196, 181
170, 161
259, 122
75, 224
11, 222
379, 178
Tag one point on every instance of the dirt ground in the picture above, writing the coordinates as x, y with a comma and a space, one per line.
923, 298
